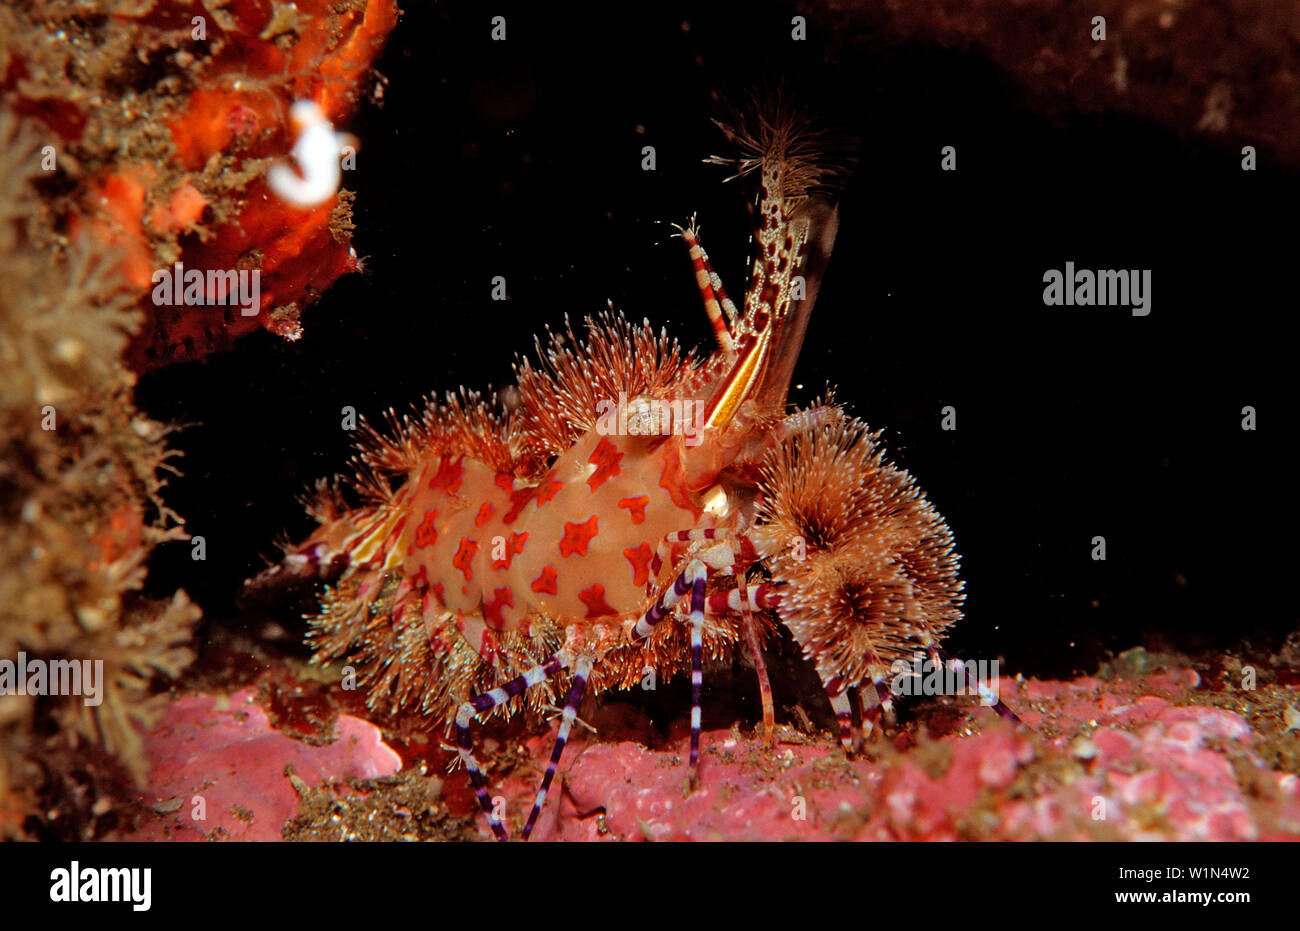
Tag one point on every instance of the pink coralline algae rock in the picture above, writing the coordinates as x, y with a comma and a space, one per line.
1129, 765
219, 757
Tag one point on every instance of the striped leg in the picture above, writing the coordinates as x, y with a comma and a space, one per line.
867, 715
715, 297
742, 553
855, 719
842, 705
665, 603
886, 700
761, 597
940, 658
678, 536
479, 704
697, 667
691, 580
581, 672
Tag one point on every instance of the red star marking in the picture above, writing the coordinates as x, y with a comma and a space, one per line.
594, 599
450, 474
427, 534
514, 546
518, 498
545, 582
606, 459
635, 507
640, 559
548, 489
505, 481
464, 556
483, 514
577, 536
501, 598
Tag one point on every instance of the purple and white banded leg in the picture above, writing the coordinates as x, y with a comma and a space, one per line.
485, 702
990, 700
858, 708
699, 535
740, 557
581, 673
691, 580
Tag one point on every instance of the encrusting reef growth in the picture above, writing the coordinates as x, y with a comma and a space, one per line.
80, 474
162, 117
147, 129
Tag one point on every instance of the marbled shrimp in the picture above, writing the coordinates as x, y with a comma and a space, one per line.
510, 546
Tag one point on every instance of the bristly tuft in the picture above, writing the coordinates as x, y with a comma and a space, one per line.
775, 136
464, 423
559, 396
873, 577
